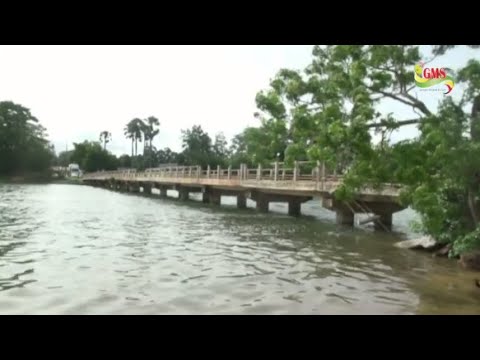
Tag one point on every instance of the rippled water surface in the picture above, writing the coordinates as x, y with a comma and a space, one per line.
67, 249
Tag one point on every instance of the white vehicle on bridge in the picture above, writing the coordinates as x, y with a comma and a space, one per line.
74, 170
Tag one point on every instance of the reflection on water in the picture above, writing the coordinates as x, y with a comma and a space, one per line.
68, 249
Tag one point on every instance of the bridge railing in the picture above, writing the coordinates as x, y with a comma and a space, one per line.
301, 171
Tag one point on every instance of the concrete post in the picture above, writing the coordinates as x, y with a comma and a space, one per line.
183, 193
214, 197
229, 173
276, 171
259, 172
163, 191
218, 171
123, 187
208, 171
241, 201
295, 171
199, 170
189, 171
134, 188
262, 204
294, 207
205, 198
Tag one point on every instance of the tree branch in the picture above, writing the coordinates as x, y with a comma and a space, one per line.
410, 88
418, 104
393, 96
396, 124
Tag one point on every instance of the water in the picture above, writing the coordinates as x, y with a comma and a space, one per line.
67, 249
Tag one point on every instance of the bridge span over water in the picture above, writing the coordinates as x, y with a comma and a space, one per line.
261, 185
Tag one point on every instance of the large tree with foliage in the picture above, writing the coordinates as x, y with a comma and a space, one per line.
197, 147
23, 142
92, 157
331, 112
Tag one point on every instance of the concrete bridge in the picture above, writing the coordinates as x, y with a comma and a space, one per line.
277, 184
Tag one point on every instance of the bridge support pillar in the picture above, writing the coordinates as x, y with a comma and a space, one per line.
205, 198
344, 216
262, 204
241, 201
294, 207
163, 191
134, 188
384, 222
183, 194
147, 188
215, 198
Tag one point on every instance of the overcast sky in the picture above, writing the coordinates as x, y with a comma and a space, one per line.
78, 91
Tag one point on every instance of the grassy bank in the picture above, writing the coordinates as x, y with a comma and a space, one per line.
36, 178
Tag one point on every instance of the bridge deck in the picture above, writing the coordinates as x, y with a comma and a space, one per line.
275, 181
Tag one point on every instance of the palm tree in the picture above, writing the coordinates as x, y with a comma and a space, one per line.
105, 137
133, 130
152, 123
128, 131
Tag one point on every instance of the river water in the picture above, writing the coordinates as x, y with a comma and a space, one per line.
67, 249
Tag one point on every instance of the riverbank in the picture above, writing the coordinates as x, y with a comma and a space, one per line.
37, 178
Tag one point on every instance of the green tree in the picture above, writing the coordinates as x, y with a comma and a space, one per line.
63, 159
133, 130
105, 137
166, 156
221, 152
150, 130
124, 161
197, 147
23, 143
92, 157
331, 108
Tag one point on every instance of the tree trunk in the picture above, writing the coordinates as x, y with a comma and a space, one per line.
136, 147
472, 206
132, 147
475, 122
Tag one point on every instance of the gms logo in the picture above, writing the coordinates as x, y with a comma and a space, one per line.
426, 77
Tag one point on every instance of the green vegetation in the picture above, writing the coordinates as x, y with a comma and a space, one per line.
329, 112
24, 150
